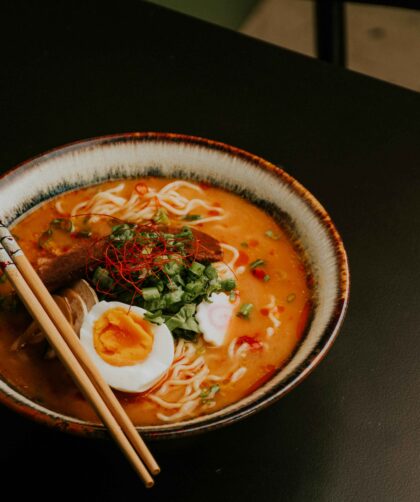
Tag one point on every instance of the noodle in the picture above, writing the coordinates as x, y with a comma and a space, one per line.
200, 375
137, 208
190, 372
235, 252
272, 313
239, 373
185, 410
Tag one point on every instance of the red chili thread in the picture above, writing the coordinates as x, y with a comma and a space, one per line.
123, 264
142, 256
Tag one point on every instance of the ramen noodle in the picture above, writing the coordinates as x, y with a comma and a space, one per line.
188, 297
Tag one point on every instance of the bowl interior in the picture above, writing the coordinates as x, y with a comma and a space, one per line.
137, 155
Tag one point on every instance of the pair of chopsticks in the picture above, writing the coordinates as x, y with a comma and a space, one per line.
66, 344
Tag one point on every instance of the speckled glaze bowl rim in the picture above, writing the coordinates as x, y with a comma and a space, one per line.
79, 427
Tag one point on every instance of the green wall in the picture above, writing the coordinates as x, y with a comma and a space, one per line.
228, 13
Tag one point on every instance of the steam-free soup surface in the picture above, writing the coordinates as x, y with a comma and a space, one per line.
256, 344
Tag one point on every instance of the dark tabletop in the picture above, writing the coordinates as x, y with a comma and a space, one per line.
350, 432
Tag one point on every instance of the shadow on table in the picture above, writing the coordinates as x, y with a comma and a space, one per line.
285, 447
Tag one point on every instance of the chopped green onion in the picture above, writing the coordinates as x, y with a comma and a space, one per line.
150, 294
228, 284
192, 217
256, 263
197, 268
62, 224
154, 305
44, 238
214, 285
245, 310
122, 233
291, 298
177, 279
161, 216
172, 286
186, 233
272, 235
205, 392
195, 287
214, 389
172, 268
154, 317
211, 272
232, 296
184, 320
173, 297
209, 392
102, 279
160, 285
266, 278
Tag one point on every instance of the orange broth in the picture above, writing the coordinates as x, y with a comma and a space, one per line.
245, 227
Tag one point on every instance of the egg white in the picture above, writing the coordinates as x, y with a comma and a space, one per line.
214, 318
137, 377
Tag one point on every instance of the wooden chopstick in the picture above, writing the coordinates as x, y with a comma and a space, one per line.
72, 354
72, 340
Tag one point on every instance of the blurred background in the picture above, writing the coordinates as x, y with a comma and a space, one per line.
378, 38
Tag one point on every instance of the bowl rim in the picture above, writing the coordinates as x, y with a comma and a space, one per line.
318, 352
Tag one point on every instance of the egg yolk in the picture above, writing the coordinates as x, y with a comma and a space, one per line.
121, 337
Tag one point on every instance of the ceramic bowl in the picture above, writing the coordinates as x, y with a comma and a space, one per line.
173, 155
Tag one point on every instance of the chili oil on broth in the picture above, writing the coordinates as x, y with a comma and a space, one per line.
280, 298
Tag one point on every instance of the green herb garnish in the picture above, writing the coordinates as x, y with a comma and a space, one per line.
161, 217
64, 224
272, 235
192, 217
257, 263
184, 320
208, 393
197, 268
245, 310
172, 268
211, 272
154, 317
150, 294
45, 238
174, 297
122, 233
154, 270
228, 284
102, 280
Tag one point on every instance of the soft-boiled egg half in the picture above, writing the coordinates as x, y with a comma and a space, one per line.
131, 353
214, 317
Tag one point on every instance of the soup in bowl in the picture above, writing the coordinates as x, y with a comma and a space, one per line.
204, 282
